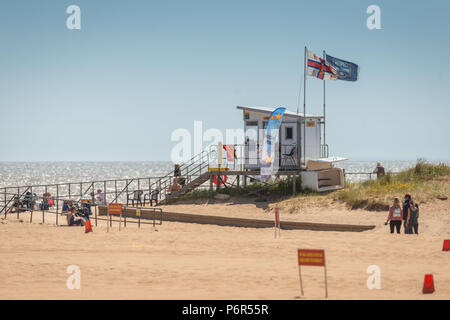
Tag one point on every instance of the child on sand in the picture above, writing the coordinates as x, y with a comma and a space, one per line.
71, 221
413, 217
395, 216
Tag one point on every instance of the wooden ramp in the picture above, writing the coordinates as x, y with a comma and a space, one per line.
240, 222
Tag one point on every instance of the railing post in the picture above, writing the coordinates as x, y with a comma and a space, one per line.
126, 186
104, 192
149, 189
57, 199
18, 194
115, 189
160, 191
294, 184
5, 203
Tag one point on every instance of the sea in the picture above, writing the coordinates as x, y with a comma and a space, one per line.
14, 174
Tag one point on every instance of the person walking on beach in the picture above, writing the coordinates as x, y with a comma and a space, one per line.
379, 170
405, 212
395, 216
413, 218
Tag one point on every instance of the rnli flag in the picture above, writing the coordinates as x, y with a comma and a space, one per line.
345, 70
319, 68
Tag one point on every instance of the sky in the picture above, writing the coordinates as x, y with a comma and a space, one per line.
116, 89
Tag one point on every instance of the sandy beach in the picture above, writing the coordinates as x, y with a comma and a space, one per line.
193, 261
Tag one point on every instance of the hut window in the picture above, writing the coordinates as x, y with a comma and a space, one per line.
289, 134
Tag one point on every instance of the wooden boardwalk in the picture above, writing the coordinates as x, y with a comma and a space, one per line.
239, 222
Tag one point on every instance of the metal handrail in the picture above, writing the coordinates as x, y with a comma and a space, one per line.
191, 169
6, 204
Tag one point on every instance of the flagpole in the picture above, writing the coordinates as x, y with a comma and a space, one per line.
324, 119
304, 110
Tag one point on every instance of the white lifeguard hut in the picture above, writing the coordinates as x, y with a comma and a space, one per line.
311, 160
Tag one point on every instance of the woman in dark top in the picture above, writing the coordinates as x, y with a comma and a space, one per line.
177, 171
177, 174
413, 217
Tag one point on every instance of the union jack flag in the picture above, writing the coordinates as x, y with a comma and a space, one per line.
319, 68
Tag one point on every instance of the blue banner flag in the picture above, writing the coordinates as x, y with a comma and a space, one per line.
270, 141
344, 70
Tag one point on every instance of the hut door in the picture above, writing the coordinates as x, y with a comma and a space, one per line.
251, 145
288, 144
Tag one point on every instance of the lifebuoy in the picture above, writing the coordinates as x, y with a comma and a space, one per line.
216, 181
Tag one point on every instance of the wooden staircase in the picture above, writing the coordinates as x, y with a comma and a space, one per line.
188, 187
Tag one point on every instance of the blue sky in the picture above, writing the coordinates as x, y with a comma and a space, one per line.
138, 70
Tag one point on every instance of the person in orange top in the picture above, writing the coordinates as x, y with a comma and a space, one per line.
395, 216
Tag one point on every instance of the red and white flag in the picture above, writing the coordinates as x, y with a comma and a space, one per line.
319, 68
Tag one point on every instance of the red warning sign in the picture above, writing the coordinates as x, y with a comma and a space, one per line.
115, 208
308, 257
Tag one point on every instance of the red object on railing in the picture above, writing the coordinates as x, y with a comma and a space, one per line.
219, 181
428, 284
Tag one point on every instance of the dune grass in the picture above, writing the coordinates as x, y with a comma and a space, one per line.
424, 182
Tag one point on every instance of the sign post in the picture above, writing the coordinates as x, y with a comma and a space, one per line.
307, 257
277, 222
120, 221
114, 208
138, 214
107, 220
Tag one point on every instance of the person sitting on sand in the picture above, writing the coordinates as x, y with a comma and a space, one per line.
71, 221
413, 217
379, 170
174, 187
16, 205
395, 216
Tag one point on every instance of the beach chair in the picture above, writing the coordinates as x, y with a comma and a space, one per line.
290, 157
135, 196
152, 196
